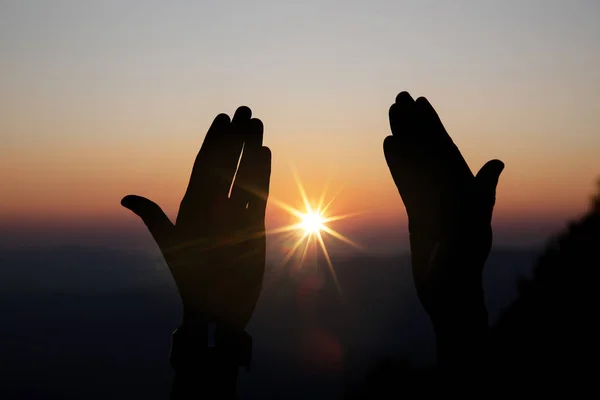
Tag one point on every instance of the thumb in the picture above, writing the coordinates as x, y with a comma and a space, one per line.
153, 217
487, 180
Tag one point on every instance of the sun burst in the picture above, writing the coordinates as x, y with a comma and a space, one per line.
311, 226
312, 222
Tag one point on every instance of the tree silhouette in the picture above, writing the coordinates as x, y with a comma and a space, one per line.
545, 339
596, 199
550, 326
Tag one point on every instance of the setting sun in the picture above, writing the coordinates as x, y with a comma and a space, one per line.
312, 225
312, 222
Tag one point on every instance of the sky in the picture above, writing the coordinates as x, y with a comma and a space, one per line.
99, 99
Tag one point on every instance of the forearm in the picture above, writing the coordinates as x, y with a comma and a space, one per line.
206, 366
462, 341
213, 379
461, 330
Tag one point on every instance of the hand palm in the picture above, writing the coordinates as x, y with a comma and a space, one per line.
449, 209
216, 249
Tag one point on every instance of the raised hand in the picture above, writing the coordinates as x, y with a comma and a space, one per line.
216, 249
449, 209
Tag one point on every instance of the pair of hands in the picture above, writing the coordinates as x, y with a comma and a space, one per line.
216, 249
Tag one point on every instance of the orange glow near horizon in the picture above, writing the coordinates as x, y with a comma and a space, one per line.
88, 115
82, 180
71, 185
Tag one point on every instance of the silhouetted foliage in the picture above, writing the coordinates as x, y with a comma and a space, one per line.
596, 200
550, 326
546, 338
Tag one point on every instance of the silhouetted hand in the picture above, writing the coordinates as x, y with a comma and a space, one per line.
216, 249
449, 210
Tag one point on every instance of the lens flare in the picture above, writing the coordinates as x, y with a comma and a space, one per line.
312, 225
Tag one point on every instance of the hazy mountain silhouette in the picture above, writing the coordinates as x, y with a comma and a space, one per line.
550, 326
96, 323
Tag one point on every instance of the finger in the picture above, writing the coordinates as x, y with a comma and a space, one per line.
404, 97
391, 151
246, 174
214, 167
445, 155
401, 115
219, 125
430, 117
243, 113
254, 136
230, 149
153, 216
201, 178
257, 203
487, 181
402, 169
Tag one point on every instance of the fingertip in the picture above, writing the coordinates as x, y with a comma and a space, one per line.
404, 97
394, 114
388, 142
251, 132
128, 201
222, 119
500, 165
422, 102
266, 154
257, 124
389, 146
242, 112
137, 204
151, 215
401, 115
496, 166
257, 127
491, 171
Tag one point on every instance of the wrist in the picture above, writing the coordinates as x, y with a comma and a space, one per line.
461, 337
199, 344
460, 322
462, 310
471, 324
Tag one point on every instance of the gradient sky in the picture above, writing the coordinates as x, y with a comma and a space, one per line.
99, 99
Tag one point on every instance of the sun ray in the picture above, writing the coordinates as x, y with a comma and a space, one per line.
302, 193
305, 250
287, 236
283, 229
341, 237
329, 263
293, 250
322, 198
340, 217
324, 209
276, 270
285, 207
312, 220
